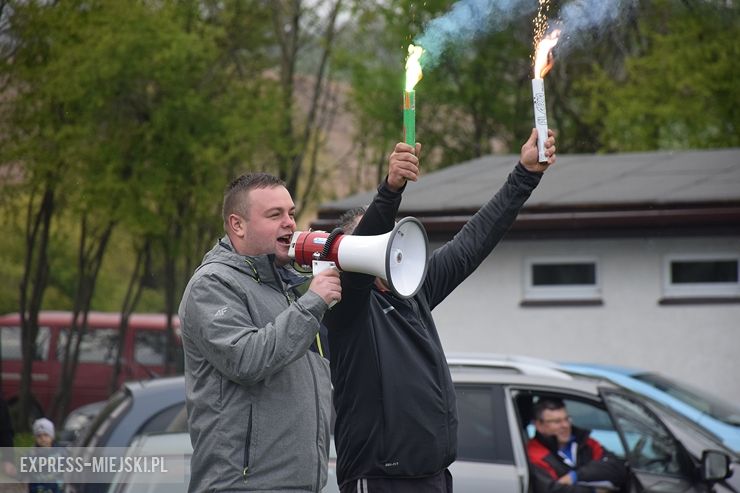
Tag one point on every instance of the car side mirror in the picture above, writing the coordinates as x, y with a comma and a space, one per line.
715, 465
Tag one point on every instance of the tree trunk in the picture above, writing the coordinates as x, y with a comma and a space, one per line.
130, 300
90, 257
32, 287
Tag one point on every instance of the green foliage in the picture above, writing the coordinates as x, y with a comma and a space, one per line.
659, 77
136, 114
681, 93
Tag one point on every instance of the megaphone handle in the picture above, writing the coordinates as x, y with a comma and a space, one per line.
322, 265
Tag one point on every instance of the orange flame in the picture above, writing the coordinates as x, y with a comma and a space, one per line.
543, 60
413, 67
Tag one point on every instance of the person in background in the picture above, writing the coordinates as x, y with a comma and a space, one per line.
45, 481
566, 459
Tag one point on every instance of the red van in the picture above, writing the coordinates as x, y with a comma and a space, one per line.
142, 357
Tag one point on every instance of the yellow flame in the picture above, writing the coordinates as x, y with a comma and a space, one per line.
413, 67
542, 61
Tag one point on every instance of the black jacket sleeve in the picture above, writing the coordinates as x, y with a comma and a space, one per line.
379, 218
543, 483
452, 263
608, 468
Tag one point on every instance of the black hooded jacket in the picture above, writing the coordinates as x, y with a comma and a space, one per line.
393, 394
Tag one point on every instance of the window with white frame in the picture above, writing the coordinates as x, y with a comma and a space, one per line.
563, 278
701, 275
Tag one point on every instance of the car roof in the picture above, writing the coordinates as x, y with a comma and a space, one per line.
583, 385
158, 385
615, 369
512, 364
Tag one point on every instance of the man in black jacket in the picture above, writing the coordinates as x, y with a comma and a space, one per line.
565, 458
396, 423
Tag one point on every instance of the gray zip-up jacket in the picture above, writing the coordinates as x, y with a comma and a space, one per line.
258, 399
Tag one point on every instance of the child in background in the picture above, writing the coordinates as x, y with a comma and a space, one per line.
43, 433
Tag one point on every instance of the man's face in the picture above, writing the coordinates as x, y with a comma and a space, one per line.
270, 224
555, 422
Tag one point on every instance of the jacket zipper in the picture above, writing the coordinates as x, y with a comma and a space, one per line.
247, 443
318, 422
443, 380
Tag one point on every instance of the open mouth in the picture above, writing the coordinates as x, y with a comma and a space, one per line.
285, 240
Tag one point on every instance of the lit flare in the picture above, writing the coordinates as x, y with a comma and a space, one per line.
413, 67
543, 60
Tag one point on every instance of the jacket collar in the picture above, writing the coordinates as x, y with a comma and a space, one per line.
261, 268
551, 441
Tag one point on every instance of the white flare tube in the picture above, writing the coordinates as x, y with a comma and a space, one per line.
540, 116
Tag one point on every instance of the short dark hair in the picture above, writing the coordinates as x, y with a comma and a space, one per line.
235, 194
348, 220
547, 404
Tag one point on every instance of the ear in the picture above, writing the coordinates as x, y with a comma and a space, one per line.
237, 225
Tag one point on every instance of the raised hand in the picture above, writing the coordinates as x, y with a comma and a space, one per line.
403, 165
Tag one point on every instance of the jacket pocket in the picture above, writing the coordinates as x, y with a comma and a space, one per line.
247, 445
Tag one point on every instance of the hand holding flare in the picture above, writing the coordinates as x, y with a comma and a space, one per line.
413, 75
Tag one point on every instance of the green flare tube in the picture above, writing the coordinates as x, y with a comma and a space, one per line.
409, 117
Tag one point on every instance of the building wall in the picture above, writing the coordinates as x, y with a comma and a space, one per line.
697, 343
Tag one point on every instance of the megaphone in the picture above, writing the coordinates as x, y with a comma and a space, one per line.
398, 257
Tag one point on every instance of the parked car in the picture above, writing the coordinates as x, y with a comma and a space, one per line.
174, 446
175, 451
495, 413
146, 406
720, 417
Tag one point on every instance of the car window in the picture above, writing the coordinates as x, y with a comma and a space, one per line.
10, 344
651, 447
587, 415
149, 347
97, 346
712, 405
482, 434
160, 421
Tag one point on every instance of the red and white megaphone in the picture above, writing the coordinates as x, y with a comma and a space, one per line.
398, 257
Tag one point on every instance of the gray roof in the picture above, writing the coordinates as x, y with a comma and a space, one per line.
577, 181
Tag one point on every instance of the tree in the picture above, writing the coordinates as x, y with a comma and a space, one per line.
680, 90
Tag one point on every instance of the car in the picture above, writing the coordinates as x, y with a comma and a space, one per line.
495, 414
77, 421
718, 416
172, 449
139, 407
494, 405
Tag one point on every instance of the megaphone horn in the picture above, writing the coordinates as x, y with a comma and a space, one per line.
398, 257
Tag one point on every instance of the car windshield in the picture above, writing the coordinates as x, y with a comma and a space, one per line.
707, 403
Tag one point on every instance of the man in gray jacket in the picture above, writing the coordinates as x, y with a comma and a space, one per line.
257, 382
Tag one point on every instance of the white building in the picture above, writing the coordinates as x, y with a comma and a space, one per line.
628, 259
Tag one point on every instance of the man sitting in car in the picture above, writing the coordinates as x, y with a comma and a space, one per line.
565, 458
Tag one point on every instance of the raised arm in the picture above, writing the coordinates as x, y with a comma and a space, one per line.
452, 263
379, 218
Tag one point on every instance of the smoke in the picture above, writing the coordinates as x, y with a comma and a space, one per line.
466, 20
582, 17
469, 19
